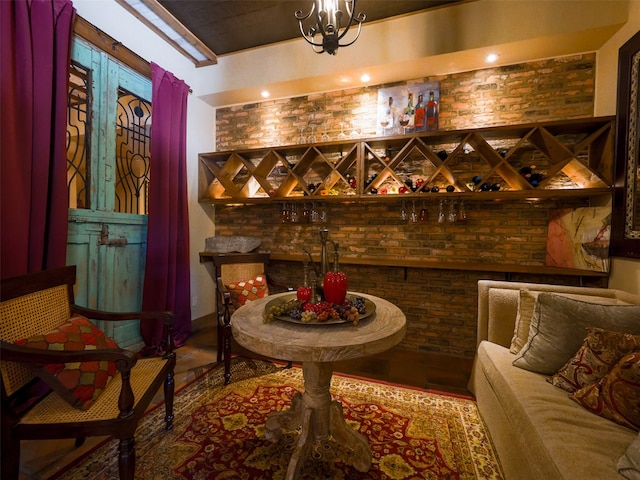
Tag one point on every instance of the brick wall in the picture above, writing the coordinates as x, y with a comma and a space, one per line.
440, 304
559, 88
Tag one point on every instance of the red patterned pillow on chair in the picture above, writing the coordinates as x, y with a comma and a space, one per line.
79, 383
248, 290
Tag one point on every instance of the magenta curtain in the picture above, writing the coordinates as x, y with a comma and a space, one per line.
35, 50
166, 278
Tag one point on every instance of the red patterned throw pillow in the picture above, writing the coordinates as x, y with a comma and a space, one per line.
248, 290
79, 383
617, 395
599, 353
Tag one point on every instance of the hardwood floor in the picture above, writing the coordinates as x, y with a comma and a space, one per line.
42, 459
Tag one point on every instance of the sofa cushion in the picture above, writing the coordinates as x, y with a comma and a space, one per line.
79, 383
552, 432
559, 325
616, 396
599, 353
526, 303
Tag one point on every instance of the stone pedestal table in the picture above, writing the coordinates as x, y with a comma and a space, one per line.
316, 347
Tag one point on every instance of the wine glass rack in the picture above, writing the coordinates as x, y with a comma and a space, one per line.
569, 158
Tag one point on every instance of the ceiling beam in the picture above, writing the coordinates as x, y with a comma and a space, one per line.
171, 30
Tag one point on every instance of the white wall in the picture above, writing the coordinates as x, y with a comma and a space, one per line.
625, 272
118, 23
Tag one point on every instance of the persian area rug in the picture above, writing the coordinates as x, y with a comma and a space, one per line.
219, 433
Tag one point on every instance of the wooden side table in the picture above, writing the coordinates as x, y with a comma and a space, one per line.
317, 346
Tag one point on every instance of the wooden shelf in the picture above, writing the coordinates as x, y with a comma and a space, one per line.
399, 262
529, 195
471, 267
575, 158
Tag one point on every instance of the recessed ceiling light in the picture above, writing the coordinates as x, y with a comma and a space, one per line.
492, 57
365, 77
265, 94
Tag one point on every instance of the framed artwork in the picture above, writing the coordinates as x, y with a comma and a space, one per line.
626, 195
579, 238
393, 101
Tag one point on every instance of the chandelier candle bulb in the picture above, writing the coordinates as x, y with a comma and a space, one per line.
328, 16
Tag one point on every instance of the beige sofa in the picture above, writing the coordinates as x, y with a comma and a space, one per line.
538, 431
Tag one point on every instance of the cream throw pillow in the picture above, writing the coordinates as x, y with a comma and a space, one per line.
526, 304
629, 463
559, 325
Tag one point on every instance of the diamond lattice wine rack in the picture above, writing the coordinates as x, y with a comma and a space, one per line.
572, 158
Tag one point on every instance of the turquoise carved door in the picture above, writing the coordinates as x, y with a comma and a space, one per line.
108, 133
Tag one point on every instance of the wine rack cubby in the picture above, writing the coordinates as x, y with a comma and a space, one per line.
571, 158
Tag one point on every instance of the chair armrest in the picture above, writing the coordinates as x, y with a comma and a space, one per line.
166, 317
124, 359
223, 293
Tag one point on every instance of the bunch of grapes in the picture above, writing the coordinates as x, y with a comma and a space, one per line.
327, 312
311, 307
308, 316
282, 309
344, 309
307, 312
358, 303
348, 312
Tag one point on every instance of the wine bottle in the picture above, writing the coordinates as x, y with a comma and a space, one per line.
432, 112
386, 122
420, 113
410, 113
392, 111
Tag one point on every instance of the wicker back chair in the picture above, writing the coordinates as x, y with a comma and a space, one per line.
232, 268
39, 303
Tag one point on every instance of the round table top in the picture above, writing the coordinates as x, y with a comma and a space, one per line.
318, 343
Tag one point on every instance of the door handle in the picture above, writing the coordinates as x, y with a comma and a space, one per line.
110, 242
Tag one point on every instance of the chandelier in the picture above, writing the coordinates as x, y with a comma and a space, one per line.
328, 17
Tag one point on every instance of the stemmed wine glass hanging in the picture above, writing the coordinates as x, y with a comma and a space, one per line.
423, 214
342, 135
325, 137
451, 217
441, 216
448, 212
301, 138
462, 212
403, 212
312, 138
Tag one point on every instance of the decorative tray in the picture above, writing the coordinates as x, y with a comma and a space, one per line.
361, 303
